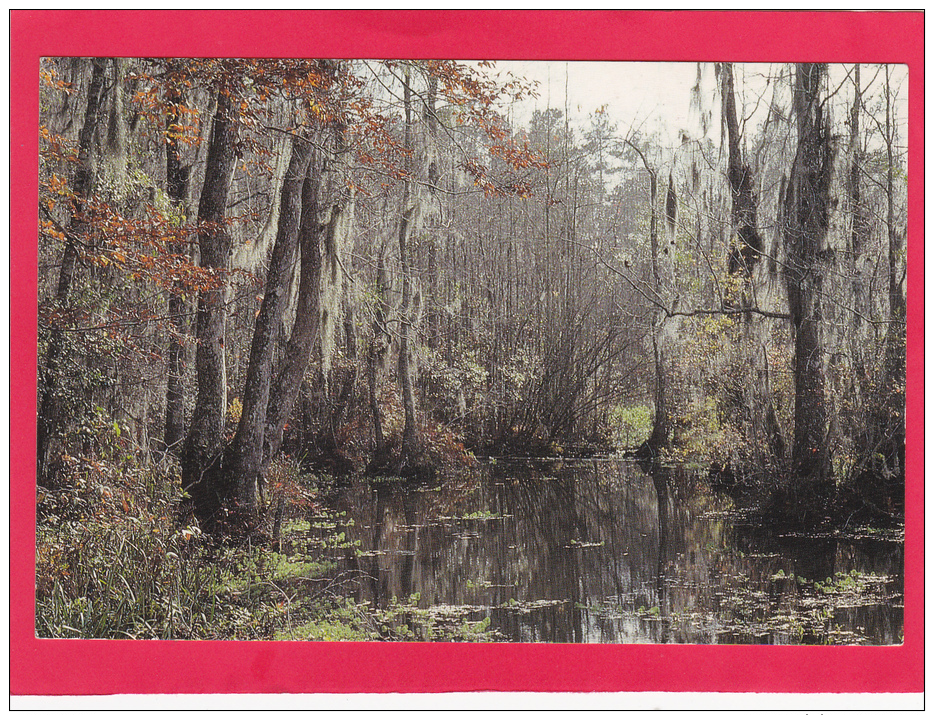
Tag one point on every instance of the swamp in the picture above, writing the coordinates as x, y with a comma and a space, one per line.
432, 350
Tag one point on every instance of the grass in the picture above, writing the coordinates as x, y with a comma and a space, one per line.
112, 562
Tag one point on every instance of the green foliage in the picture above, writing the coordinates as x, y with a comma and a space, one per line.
454, 386
482, 515
630, 425
112, 563
719, 400
405, 621
341, 621
296, 527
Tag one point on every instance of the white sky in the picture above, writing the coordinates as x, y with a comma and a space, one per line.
656, 95
633, 91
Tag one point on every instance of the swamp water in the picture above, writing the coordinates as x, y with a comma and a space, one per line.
598, 551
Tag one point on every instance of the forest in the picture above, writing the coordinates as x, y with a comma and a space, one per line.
306, 325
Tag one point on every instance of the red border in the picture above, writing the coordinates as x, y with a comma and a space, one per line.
97, 667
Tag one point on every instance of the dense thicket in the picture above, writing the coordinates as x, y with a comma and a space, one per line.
365, 264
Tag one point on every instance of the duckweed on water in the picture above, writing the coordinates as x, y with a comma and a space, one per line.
404, 620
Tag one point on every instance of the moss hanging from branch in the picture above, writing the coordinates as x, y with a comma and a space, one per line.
671, 205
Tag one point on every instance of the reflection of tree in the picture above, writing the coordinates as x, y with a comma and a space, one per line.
660, 481
544, 521
602, 534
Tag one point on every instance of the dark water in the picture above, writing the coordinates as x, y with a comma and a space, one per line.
598, 551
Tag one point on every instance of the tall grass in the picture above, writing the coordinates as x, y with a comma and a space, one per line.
111, 562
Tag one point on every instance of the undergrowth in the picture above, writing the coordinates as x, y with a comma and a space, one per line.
114, 562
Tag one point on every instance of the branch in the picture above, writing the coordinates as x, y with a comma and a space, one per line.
66, 232
726, 311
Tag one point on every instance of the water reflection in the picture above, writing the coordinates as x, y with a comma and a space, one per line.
600, 551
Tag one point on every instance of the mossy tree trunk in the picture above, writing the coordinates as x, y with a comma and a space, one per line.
408, 224
202, 476
306, 324
745, 252
246, 451
807, 214
379, 346
49, 417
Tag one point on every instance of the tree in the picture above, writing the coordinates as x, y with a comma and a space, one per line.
377, 353
202, 474
246, 453
745, 253
887, 418
660, 437
408, 226
744, 256
49, 420
305, 327
177, 184
806, 222
326, 218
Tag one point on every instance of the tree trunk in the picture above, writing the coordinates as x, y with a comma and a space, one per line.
805, 229
433, 215
307, 317
115, 139
377, 352
202, 476
177, 179
858, 223
661, 429
407, 228
890, 418
246, 453
744, 255
49, 418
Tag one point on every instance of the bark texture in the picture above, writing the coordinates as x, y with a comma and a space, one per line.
376, 357
202, 474
407, 227
305, 328
49, 417
177, 179
745, 253
807, 214
246, 453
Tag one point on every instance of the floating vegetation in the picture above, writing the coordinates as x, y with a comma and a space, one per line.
529, 606
404, 620
575, 544
487, 584
583, 559
475, 516
875, 534
782, 609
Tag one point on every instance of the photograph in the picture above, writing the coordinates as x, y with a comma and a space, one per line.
433, 350
416, 353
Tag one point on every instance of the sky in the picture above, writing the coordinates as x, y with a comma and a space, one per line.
656, 95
